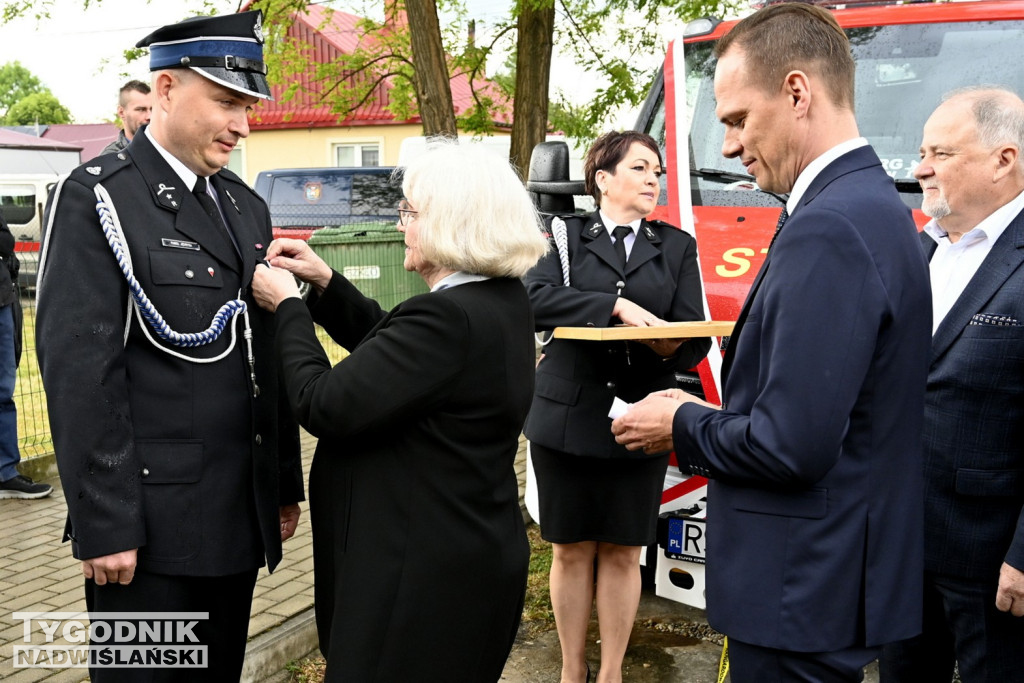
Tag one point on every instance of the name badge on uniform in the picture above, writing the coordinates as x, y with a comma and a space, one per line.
179, 244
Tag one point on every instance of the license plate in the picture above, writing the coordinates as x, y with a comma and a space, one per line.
686, 538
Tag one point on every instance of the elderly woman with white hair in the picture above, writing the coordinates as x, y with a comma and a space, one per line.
418, 541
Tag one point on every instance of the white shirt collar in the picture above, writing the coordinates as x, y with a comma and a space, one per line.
992, 227
807, 176
610, 225
186, 175
457, 278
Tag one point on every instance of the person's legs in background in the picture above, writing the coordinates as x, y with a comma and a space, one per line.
618, 595
572, 599
12, 483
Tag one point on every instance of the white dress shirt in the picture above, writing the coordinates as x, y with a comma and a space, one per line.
954, 264
807, 176
610, 225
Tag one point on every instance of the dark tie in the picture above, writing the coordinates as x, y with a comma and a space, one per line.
210, 206
783, 217
620, 233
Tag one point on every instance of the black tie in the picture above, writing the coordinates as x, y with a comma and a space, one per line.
210, 206
620, 233
783, 217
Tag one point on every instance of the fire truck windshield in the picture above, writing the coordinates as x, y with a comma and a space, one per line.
902, 73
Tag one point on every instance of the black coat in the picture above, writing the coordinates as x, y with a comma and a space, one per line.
175, 458
577, 380
418, 540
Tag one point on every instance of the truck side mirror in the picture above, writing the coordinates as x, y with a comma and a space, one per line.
549, 183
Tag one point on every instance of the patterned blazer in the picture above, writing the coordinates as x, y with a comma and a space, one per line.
974, 420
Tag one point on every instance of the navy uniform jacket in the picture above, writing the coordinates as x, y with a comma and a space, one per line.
815, 511
577, 380
175, 458
974, 421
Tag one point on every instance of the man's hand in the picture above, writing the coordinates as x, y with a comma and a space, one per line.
289, 520
1010, 595
648, 423
116, 568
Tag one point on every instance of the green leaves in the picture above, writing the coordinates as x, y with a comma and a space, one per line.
25, 101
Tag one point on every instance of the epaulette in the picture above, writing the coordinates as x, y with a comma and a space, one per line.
662, 224
100, 168
548, 217
233, 178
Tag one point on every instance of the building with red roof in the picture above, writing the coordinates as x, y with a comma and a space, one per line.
303, 131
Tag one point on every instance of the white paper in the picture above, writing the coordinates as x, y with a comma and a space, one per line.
619, 408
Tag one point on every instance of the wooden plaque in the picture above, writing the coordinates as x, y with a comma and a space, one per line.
687, 330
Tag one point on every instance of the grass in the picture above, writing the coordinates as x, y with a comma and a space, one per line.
537, 614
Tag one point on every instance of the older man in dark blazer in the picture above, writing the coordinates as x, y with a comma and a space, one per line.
814, 516
972, 175
179, 462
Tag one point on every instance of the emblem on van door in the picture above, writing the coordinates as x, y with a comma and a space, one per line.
313, 192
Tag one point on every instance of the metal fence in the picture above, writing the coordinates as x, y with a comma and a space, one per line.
33, 421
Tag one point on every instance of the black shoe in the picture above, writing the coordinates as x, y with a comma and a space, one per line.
23, 487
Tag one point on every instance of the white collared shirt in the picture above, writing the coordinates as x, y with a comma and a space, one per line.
183, 171
954, 264
807, 176
610, 225
457, 278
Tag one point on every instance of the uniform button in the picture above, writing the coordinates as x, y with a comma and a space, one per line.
145, 471
189, 274
610, 385
259, 440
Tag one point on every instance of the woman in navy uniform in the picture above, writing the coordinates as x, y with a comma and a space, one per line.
418, 540
597, 500
180, 465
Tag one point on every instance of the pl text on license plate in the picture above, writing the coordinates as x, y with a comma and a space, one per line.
686, 538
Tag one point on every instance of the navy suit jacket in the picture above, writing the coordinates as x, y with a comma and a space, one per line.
815, 510
974, 421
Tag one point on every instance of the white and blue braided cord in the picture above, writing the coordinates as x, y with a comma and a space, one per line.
143, 306
559, 233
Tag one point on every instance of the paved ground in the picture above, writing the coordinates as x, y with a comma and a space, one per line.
38, 574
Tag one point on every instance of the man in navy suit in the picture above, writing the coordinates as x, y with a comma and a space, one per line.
972, 176
815, 513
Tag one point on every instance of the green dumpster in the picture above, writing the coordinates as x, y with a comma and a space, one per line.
370, 255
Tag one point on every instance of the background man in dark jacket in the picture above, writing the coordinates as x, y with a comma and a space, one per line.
134, 107
13, 484
972, 176
179, 458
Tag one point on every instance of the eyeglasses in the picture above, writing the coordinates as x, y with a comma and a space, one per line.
405, 214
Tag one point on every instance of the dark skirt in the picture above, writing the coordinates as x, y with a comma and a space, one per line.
611, 500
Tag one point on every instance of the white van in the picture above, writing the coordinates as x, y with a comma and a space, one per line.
22, 200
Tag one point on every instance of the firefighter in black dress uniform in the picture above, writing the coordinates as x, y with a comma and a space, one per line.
180, 465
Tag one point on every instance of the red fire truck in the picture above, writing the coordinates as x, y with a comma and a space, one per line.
907, 55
